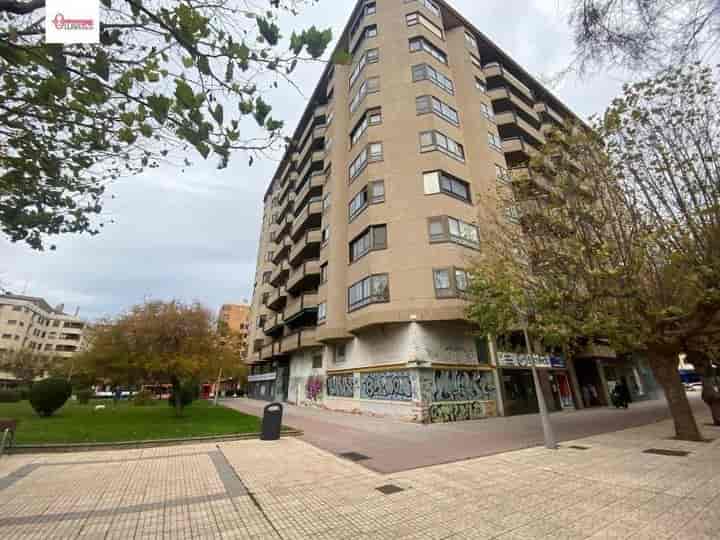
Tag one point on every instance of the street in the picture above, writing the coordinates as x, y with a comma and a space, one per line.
394, 446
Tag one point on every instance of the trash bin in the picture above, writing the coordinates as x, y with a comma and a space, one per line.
271, 422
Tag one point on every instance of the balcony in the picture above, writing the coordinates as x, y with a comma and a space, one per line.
545, 109
517, 151
279, 275
302, 310
285, 207
274, 325
305, 277
312, 187
307, 247
299, 340
309, 217
284, 227
313, 164
286, 187
495, 69
501, 93
528, 185
277, 299
282, 248
513, 123
267, 351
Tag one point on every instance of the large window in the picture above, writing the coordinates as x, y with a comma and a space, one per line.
369, 57
373, 193
372, 117
429, 4
369, 32
371, 153
371, 239
442, 182
371, 290
322, 314
422, 44
434, 140
449, 229
418, 18
323, 273
450, 282
431, 104
370, 8
487, 111
425, 72
369, 86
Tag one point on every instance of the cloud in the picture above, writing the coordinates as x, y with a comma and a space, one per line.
193, 234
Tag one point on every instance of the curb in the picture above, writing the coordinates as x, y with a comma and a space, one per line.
132, 445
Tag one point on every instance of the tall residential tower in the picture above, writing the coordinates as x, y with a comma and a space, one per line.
373, 217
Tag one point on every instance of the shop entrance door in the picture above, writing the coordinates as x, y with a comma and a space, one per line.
520, 397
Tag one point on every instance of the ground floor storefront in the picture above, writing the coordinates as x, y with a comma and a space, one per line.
439, 372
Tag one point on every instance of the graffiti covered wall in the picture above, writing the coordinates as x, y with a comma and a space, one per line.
456, 412
341, 385
387, 385
458, 385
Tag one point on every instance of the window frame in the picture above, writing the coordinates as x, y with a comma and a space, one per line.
368, 237
427, 47
439, 108
371, 297
438, 138
371, 117
369, 56
441, 174
368, 198
322, 312
446, 235
363, 91
431, 74
415, 18
431, 6
364, 158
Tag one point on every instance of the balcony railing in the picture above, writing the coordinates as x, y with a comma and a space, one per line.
305, 244
277, 299
511, 118
309, 217
282, 248
504, 93
494, 69
279, 275
310, 269
300, 304
312, 186
545, 108
299, 340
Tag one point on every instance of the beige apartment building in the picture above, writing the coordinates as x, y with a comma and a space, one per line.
236, 319
374, 216
30, 324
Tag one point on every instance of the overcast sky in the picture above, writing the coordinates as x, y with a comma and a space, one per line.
193, 235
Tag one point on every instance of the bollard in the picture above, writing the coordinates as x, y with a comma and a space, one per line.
271, 422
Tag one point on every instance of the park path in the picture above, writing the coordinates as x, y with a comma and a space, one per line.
394, 446
606, 486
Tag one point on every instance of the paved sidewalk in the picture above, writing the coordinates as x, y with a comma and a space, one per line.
290, 489
385, 441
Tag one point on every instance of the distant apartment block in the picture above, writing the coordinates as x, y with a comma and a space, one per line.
374, 215
236, 319
30, 324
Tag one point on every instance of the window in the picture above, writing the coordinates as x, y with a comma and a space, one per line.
371, 153
487, 112
371, 290
413, 19
7, 336
369, 32
322, 313
434, 140
475, 61
429, 4
325, 235
12, 322
324, 273
480, 85
326, 202
422, 44
442, 182
368, 9
449, 229
431, 104
494, 141
372, 117
369, 57
269, 256
17, 308
261, 321
373, 193
369, 86
470, 40
425, 72
371, 239
339, 353
265, 278
501, 174
265, 298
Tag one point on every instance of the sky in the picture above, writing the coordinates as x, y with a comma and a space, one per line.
192, 235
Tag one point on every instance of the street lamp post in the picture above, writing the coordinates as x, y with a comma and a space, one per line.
548, 434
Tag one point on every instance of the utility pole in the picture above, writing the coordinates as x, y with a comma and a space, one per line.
548, 434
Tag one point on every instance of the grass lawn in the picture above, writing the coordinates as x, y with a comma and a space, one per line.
76, 423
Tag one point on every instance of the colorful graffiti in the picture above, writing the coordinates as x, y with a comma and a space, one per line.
314, 387
456, 412
341, 385
387, 385
458, 385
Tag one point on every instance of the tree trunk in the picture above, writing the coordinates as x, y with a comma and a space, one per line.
665, 369
710, 392
177, 396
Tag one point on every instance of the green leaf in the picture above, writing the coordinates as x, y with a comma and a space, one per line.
217, 113
184, 94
